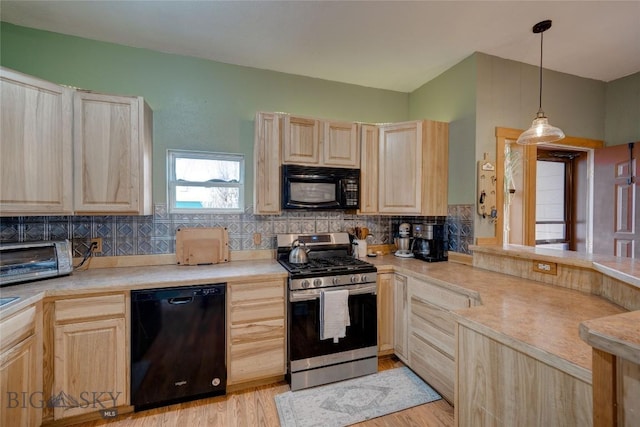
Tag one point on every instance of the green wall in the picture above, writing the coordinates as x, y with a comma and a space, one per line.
451, 97
197, 104
622, 113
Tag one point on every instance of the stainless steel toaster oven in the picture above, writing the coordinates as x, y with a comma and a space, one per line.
28, 261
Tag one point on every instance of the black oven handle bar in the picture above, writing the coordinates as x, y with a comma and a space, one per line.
311, 294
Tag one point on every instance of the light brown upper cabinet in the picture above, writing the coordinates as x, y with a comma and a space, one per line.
340, 144
66, 151
112, 154
266, 173
36, 146
412, 175
369, 169
320, 142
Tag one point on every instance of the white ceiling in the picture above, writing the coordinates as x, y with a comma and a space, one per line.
397, 45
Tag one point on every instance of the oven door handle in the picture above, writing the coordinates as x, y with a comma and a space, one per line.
311, 294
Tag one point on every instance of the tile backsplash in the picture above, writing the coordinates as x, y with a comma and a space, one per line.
155, 234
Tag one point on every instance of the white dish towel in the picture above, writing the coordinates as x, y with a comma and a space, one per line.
334, 314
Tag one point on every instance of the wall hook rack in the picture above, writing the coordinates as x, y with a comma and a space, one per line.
487, 189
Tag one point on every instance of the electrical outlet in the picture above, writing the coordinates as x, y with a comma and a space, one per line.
98, 247
257, 239
545, 267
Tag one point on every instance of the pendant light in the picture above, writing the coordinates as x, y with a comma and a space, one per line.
541, 131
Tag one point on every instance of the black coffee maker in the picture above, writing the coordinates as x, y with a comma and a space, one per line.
430, 242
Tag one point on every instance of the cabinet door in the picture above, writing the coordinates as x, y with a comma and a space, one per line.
266, 154
112, 157
340, 144
369, 170
435, 168
401, 313
301, 140
400, 183
36, 146
91, 371
22, 399
385, 313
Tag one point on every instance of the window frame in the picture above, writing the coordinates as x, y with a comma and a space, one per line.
568, 205
172, 182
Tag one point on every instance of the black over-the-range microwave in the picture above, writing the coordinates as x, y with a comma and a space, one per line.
320, 188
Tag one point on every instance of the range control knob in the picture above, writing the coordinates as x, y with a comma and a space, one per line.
335, 280
305, 284
354, 279
317, 283
363, 278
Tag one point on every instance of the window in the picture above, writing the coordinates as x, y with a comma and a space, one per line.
556, 199
551, 212
200, 181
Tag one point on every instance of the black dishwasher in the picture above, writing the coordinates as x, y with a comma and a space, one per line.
177, 344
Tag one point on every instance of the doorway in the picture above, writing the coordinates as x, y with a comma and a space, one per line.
561, 199
516, 186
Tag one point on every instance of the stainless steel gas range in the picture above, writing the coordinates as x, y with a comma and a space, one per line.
329, 281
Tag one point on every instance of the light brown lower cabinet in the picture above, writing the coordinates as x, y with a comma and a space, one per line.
91, 355
400, 317
255, 331
500, 386
21, 369
432, 334
385, 313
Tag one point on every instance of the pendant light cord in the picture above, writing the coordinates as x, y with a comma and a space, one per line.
540, 104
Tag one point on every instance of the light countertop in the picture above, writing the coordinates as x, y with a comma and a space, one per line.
539, 319
127, 278
618, 335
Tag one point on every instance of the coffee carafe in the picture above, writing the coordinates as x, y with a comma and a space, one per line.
403, 241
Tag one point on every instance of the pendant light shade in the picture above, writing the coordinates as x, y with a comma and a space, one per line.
541, 131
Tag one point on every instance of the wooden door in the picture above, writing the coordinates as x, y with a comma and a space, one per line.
301, 142
400, 151
616, 212
340, 145
36, 146
266, 155
369, 165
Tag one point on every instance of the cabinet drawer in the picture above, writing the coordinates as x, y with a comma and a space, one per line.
89, 307
249, 332
431, 333
17, 327
438, 295
438, 317
434, 367
245, 293
256, 360
256, 311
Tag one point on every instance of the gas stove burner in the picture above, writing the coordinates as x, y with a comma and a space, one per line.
333, 263
330, 262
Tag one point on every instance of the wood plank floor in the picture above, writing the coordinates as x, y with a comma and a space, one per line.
255, 407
